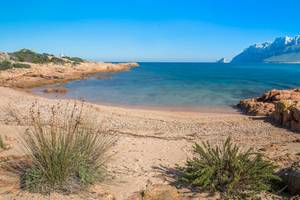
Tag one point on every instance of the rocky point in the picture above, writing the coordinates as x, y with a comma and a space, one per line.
281, 106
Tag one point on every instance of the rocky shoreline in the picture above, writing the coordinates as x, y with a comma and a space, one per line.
280, 106
44, 74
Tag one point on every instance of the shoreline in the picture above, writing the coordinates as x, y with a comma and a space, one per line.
168, 109
186, 109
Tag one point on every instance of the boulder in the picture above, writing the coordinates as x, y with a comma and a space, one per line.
283, 107
253, 107
295, 126
276, 117
286, 117
296, 112
291, 177
60, 90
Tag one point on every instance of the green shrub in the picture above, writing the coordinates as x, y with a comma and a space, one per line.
5, 65
228, 170
56, 60
74, 59
20, 65
68, 150
26, 55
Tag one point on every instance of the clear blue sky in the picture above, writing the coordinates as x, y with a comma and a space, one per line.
145, 30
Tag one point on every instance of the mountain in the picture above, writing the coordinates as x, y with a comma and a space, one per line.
282, 50
222, 60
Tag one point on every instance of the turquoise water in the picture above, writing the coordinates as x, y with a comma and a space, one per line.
183, 84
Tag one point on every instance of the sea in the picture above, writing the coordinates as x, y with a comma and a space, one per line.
182, 86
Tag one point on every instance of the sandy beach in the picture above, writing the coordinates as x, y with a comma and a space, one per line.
149, 144
150, 100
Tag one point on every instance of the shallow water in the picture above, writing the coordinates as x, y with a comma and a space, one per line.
182, 85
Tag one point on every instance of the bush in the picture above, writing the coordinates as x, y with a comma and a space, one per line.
26, 55
4, 65
68, 150
227, 170
74, 59
20, 65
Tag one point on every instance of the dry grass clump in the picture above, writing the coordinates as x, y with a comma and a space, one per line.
1, 143
68, 150
228, 170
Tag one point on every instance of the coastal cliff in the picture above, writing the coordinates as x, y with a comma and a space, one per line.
25, 69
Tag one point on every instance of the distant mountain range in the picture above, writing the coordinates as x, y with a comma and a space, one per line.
282, 50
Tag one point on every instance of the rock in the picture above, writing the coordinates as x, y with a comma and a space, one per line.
253, 107
60, 90
283, 107
269, 107
296, 112
295, 96
276, 117
157, 192
295, 126
291, 177
286, 117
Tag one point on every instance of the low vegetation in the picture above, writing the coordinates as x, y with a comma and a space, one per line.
19, 59
68, 150
228, 170
2, 146
74, 59
29, 56
4, 65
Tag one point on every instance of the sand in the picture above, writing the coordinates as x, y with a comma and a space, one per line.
149, 142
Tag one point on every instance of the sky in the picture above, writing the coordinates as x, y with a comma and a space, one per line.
145, 30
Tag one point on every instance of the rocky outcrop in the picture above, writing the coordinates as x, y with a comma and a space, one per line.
282, 107
287, 113
44, 74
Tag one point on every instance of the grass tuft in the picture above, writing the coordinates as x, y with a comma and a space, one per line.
68, 150
2, 146
228, 170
